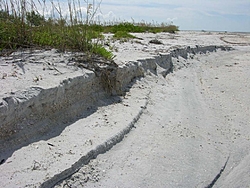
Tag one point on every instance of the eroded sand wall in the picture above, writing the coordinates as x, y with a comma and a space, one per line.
24, 108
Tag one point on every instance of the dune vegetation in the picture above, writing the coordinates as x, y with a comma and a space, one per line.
23, 25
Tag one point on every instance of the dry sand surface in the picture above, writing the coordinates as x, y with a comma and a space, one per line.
185, 123
196, 119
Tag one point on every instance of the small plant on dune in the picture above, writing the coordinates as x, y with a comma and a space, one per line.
170, 29
99, 49
123, 35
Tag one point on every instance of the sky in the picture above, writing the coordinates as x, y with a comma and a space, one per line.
213, 15
209, 15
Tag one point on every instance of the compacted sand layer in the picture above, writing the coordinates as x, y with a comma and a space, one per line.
185, 105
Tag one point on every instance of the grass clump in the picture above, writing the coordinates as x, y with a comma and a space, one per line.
170, 29
21, 25
123, 35
99, 49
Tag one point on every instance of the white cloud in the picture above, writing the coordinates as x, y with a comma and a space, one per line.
110, 16
188, 14
219, 6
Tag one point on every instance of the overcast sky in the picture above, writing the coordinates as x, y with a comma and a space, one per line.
216, 15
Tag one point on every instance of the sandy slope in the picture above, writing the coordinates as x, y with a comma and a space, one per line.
196, 118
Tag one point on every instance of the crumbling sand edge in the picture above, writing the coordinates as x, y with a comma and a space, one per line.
21, 110
124, 76
151, 64
159, 65
28, 107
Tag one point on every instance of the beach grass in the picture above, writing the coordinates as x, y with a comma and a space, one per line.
123, 35
22, 25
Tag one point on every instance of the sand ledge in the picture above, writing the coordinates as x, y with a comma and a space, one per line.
77, 99
36, 103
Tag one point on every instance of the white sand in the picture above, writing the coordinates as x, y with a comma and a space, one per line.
196, 118
186, 125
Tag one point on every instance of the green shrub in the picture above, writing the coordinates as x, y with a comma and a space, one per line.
100, 50
170, 29
97, 28
47, 38
127, 27
123, 35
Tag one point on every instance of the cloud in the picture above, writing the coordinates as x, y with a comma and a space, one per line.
110, 16
188, 14
222, 6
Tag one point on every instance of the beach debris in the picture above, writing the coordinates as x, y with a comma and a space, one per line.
4, 76
155, 41
36, 165
50, 144
14, 74
103, 68
70, 152
37, 78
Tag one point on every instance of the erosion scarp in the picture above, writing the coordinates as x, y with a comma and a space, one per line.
38, 116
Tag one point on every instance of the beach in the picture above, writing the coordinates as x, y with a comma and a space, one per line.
181, 118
